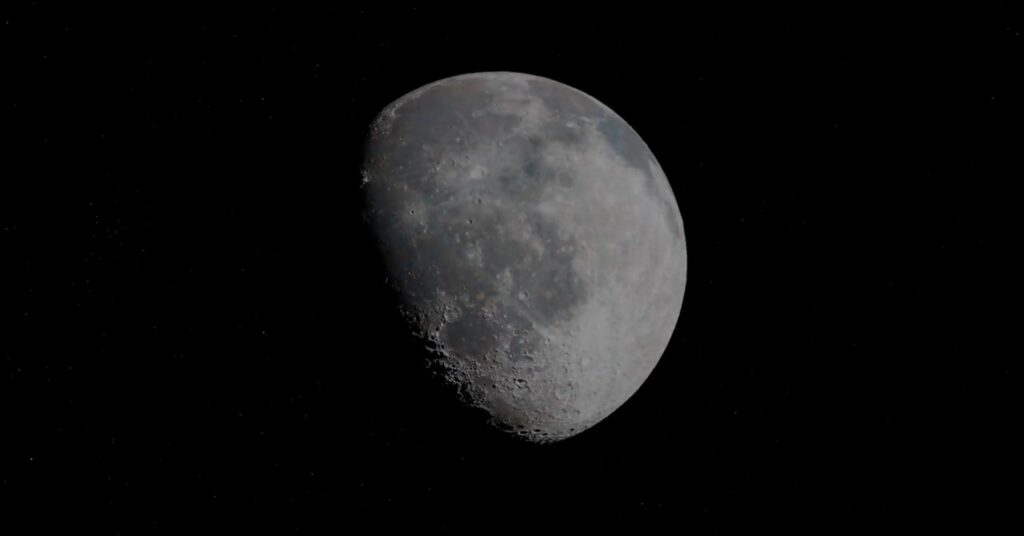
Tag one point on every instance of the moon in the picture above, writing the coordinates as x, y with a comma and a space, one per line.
534, 242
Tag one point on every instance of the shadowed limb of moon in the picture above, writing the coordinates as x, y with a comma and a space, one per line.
535, 244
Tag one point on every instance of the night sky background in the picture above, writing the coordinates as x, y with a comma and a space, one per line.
194, 333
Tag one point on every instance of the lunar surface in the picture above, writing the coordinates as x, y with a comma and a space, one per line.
534, 242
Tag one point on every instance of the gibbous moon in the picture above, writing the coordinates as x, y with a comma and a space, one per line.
534, 242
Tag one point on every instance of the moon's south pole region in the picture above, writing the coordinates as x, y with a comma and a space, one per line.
534, 243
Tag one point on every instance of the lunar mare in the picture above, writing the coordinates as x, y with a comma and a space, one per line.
534, 242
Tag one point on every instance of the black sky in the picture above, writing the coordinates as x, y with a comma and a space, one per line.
192, 329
